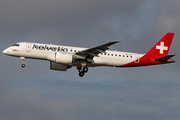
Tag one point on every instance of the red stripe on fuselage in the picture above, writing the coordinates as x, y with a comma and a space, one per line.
144, 61
14, 50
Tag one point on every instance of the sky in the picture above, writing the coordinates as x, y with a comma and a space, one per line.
104, 93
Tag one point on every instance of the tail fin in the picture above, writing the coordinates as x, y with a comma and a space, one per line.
162, 47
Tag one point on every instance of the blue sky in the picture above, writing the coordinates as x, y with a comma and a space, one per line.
103, 93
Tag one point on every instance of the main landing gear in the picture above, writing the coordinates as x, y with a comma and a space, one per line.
23, 65
82, 71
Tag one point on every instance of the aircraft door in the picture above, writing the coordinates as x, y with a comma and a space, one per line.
136, 58
28, 47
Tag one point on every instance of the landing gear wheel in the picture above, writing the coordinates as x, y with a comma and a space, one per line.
85, 69
81, 74
23, 65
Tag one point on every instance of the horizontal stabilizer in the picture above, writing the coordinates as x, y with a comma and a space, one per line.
165, 58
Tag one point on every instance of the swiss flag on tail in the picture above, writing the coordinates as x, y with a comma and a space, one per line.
162, 47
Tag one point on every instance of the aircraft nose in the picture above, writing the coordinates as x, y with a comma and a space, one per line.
5, 51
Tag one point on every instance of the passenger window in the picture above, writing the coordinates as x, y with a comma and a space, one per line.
108, 54
115, 54
123, 55
111, 54
119, 55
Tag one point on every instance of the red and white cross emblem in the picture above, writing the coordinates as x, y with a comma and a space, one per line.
162, 47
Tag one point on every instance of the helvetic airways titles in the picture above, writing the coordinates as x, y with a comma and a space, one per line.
46, 47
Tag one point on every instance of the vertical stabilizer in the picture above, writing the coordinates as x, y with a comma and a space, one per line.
162, 47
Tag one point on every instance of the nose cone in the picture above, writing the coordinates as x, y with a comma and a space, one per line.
6, 51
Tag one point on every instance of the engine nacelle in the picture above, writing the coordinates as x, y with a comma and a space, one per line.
59, 67
63, 58
98, 61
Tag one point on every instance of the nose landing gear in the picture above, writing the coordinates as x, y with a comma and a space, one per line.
23, 65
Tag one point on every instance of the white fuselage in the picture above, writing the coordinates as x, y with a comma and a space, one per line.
42, 51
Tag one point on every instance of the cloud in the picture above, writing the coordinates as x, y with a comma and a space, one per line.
40, 12
139, 102
72, 20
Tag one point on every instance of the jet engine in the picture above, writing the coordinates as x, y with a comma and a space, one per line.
62, 58
59, 67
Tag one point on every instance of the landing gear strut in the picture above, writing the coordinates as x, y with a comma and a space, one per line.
82, 71
23, 65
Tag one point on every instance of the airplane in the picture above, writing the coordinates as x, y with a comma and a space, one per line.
64, 57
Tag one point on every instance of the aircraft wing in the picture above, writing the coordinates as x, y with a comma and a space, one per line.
88, 54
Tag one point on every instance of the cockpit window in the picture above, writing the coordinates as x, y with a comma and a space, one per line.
16, 45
